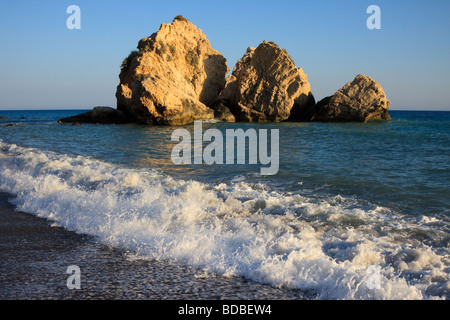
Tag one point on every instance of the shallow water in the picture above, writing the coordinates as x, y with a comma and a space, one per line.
35, 256
350, 201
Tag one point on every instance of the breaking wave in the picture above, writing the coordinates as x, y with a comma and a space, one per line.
332, 247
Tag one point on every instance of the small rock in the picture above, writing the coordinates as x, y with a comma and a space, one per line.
222, 112
361, 100
102, 115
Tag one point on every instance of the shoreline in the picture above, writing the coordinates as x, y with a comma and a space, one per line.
35, 255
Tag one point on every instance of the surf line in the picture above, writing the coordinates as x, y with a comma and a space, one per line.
235, 140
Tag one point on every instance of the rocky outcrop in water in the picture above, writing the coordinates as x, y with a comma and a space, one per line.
266, 85
361, 100
173, 78
176, 77
102, 115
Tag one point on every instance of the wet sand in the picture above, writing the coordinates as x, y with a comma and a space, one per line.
34, 256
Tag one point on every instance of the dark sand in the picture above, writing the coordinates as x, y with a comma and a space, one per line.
34, 257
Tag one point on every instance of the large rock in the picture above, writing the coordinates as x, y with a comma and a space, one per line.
266, 85
173, 79
361, 100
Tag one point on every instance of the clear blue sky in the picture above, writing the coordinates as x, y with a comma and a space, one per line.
44, 65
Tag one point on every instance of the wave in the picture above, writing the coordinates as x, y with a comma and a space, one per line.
332, 247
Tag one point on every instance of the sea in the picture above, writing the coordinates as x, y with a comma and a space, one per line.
355, 210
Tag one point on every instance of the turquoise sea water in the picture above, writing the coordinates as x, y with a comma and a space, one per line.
346, 197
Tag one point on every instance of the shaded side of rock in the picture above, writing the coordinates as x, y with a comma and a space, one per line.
222, 112
102, 115
303, 110
361, 100
266, 85
174, 77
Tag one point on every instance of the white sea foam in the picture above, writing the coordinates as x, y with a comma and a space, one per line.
323, 245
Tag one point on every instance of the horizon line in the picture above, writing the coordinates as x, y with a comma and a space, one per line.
82, 109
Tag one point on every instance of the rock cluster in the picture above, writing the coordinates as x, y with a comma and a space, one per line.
176, 77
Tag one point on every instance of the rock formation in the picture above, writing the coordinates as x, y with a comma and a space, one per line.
266, 85
174, 77
103, 115
361, 100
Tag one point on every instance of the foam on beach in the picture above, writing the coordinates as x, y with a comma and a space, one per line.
333, 247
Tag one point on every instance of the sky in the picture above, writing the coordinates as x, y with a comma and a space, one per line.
45, 65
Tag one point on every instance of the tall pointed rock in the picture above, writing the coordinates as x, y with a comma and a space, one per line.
173, 78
